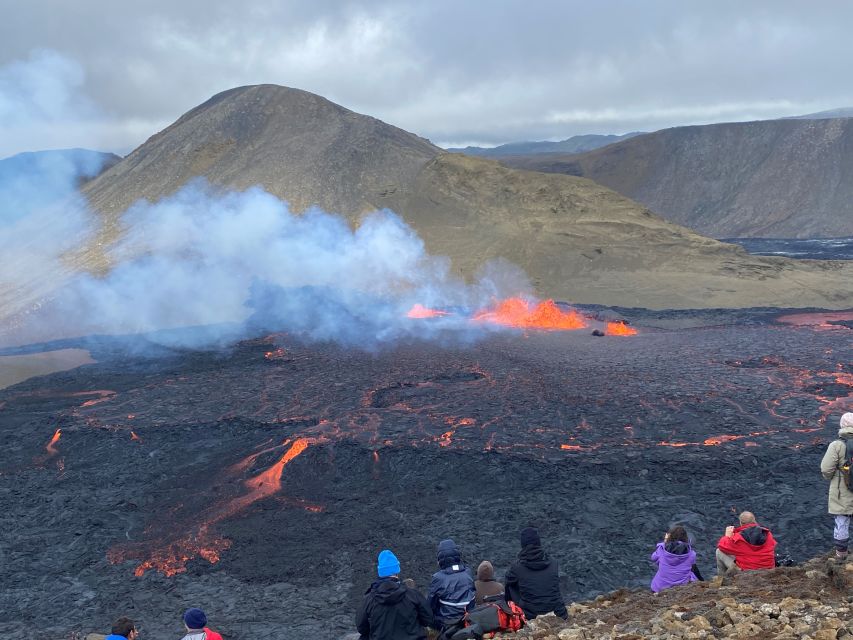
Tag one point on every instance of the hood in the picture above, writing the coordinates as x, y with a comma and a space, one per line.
388, 591
754, 534
677, 547
448, 554
534, 558
845, 432
485, 571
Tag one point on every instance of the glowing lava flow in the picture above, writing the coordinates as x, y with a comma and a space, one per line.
619, 329
521, 314
170, 556
420, 311
51, 446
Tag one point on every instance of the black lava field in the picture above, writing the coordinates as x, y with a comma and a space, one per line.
259, 482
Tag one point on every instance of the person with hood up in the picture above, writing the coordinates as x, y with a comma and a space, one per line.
451, 591
391, 610
533, 582
837, 457
485, 585
676, 560
195, 621
747, 547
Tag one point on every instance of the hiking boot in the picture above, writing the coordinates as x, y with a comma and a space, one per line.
840, 556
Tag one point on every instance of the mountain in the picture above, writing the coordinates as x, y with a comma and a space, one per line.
774, 178
577, 240
575, 144
846, 112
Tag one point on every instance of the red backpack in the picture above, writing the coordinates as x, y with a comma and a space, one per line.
495, 614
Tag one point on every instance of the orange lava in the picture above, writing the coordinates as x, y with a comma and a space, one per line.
819, 321
619, 329
275, 354
521, 314
133, 436
420, 311
51, 446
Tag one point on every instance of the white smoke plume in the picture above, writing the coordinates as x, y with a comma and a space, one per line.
244, 261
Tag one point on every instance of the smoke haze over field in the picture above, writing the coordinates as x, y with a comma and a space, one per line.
455, 73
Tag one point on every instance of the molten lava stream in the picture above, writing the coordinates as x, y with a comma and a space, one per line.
51, 446
521, 314
419, 311
619, 329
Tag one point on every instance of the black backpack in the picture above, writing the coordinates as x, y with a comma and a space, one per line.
848, 463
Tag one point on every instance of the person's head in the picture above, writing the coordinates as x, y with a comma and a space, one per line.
485, 571
530, 536
846, 421
195, 619
677, 534
747, 517
448, 554
125, 627
387, 564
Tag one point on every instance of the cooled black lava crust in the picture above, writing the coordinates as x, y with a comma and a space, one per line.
602, 443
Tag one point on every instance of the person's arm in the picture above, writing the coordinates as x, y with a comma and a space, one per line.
655, 557
830, 463
434, 595
362, 621
695, 570
425, 617
511, 592
560, 609
728, 543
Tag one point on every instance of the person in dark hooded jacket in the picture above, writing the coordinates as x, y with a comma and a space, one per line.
391, 610
533, 582
451, 591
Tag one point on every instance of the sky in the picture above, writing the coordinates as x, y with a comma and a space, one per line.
107, 75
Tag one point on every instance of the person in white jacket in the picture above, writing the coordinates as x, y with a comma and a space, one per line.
835, 468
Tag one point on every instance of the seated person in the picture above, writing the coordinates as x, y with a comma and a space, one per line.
485, 585
747, 547
451, 591
533, 582
676, 560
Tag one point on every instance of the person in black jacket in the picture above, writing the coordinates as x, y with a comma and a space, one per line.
533, 582
451, 590
391, 610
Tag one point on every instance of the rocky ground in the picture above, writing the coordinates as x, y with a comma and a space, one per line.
260, 481
809, 602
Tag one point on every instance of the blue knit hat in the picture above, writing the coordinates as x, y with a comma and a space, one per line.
387, 564
195, 618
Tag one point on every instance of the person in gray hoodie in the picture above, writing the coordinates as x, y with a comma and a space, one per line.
834, 467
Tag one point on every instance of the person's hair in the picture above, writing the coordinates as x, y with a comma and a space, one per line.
678, 534
747, 517
123, 626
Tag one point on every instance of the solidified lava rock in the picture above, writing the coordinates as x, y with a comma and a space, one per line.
273, 487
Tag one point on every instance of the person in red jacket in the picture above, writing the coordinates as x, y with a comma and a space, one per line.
747, 547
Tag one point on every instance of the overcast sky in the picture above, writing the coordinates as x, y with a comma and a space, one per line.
107, 75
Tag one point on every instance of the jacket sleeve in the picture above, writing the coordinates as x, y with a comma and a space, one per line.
434, 594
655, 557
511, 591
830, 463
560, 609
362, 622
425, 617
728, 545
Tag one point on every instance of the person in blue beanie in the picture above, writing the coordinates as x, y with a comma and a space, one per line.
195, 620
390, 609
451, 591
123, 629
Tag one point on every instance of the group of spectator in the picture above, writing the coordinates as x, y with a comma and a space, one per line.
394, 609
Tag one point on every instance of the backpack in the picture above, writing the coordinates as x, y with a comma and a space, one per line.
495, 614
848, 463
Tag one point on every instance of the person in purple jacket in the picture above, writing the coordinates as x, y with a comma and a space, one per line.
676, 561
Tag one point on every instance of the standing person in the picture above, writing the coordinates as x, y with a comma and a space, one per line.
485, 585
195, 622
533, 582
391, 610
832, 467
676, 560
123, 629
451, 591
747, 547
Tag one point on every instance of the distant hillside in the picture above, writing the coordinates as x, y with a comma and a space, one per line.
777, 178
575, 239
575, 144
823, 115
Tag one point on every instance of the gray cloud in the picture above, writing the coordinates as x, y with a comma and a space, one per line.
453, 72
